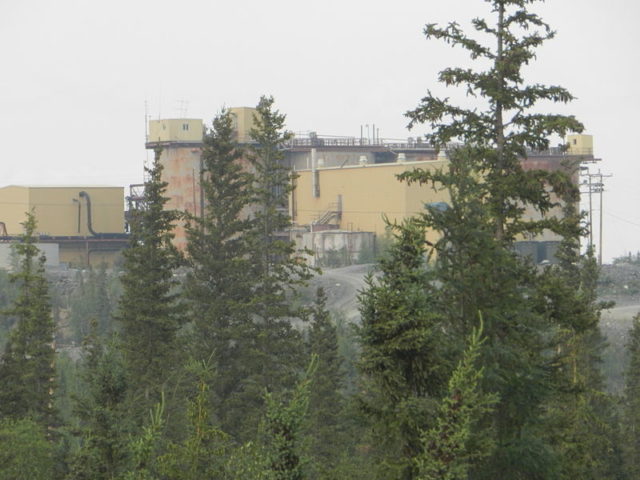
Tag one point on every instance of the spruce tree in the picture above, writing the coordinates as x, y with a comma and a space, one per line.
25, 451
148, 311
507, 127
632, 402
453, 446
489, 198
103, 414
325, 399
203, 453
219, 282
27, 368
405, 358
581, 419
277, 269
282, 427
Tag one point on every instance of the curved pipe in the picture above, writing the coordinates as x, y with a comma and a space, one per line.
85, 195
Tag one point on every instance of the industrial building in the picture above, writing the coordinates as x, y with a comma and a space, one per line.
348, 185
180, 141
86, 223
342, 184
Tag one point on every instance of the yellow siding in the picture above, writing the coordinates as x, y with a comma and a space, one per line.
60, 211
580, 144
368, 193
243, 122
188, 130
14, 202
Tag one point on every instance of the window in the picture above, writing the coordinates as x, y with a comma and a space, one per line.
185, 126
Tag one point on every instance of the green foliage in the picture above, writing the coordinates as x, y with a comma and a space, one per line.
25, 451
144, 448
92, 300
632, 402
404, 360
278, 267
269, 348
325, 399
148, 311
69, 386
219, 282
455, 443
504, 130
582, 424
335, 258
7, 296
27, 371
283, 425
250, 461
203, 453
103, 414
491, 196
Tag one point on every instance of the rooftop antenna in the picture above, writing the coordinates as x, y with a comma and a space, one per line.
146, 120
160, 103
183, 106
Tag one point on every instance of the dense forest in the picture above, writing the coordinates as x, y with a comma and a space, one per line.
217, 363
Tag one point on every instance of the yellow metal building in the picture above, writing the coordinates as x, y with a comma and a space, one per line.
358, 198
86, 222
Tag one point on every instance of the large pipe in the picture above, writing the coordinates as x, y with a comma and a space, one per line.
85, 195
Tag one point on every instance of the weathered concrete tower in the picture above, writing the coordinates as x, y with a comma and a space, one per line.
181, 143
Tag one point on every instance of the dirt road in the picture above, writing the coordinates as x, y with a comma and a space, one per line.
342, 286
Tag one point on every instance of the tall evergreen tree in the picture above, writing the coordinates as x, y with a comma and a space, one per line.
27, 368
277, 349
325, 399
278, 267
148, 310
404, 358
504, 131
581, 420
219, 283
476, 260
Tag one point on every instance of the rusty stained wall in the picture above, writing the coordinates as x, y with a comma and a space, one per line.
182, 173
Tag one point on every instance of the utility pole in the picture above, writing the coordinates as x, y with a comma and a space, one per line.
595, 184
590, 185
600, 190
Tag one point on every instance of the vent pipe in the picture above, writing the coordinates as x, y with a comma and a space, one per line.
315, 181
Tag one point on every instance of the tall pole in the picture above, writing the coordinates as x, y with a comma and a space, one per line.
590, 214
601, 210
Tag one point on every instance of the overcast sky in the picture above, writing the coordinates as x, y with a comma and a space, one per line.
77, 77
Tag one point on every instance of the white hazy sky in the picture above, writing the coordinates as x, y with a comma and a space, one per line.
75, 76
